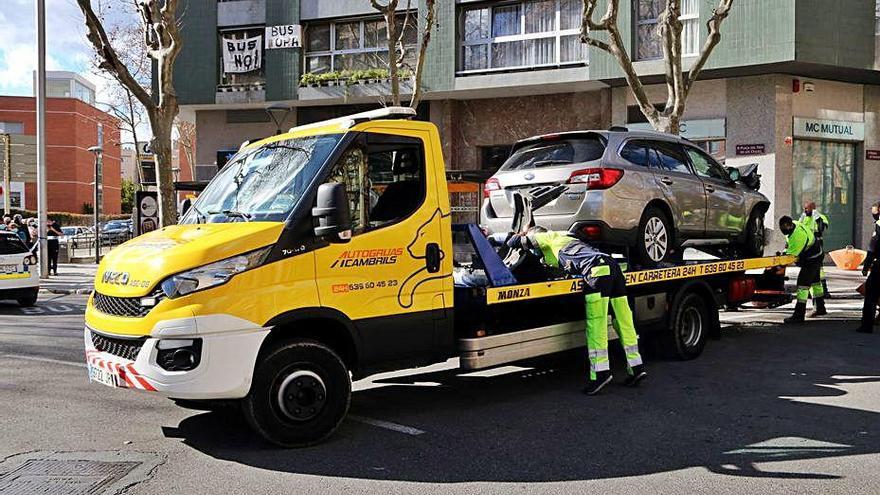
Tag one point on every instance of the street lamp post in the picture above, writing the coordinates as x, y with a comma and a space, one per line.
97, 150
41, 138
7, 171
278, 112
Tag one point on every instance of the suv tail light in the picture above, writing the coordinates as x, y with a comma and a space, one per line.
596, 178
592, 232
491, 185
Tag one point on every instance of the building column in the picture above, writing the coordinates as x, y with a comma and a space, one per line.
283, 64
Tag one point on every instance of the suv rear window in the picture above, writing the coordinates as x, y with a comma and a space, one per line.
557, 152
11, 244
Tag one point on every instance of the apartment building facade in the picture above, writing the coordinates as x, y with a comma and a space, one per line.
793, 86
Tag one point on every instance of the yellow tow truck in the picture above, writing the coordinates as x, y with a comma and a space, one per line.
326, 254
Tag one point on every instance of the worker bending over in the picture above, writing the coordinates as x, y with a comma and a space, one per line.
818, 223
604, 283
802, 243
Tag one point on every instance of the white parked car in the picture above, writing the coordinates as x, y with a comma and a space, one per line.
76, 236
19, 272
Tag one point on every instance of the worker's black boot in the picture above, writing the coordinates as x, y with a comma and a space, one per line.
638, 374
819, 307
800, 309
594, 386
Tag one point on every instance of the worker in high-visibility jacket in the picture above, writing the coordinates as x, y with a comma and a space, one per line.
802, 243
813, 219
604, 284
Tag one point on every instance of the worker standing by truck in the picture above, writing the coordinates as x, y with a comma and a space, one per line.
871, 268
802, 243
813, 219
604, 283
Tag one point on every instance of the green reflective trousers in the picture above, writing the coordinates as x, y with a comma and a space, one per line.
597, 332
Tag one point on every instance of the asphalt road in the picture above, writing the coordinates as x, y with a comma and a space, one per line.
765, 409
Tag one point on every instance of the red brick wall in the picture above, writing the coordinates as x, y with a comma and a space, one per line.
71, 129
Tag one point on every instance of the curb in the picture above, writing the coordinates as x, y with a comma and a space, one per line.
67, 291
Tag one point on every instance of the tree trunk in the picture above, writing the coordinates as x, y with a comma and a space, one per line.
162, 125
394, 75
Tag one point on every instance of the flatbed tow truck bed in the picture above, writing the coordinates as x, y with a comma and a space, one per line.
515, 321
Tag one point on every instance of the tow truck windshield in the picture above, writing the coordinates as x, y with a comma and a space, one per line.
263, 183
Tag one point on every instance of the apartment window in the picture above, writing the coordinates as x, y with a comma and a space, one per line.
242, 78
647, 16
356, 44
535, 33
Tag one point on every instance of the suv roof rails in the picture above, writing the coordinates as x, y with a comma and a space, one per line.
618, 128
351, 120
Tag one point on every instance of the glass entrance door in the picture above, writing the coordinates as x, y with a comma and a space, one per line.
824, 172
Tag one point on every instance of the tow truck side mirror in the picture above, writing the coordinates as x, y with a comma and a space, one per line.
332, 213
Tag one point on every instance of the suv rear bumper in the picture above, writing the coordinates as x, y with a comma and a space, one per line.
617, 219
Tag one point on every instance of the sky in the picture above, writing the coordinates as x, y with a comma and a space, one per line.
66, 45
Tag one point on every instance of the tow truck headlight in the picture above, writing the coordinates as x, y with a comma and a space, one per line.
212, 274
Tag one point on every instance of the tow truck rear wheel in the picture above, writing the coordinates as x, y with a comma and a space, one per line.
689, 327
300, 392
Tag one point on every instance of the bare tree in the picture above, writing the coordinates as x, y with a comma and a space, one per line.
669, 28
162, 38
117, 98
186, 138
397, 46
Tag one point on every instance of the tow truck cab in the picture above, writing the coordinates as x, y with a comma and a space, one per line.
323, 254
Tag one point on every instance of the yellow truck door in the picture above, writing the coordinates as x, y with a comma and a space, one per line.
390, 278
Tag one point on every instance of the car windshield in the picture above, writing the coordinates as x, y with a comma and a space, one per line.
548, 153
11, 244
264, 183
68, 230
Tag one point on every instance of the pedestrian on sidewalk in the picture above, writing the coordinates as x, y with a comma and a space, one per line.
53, 232
802, 243
871, 268
23, 231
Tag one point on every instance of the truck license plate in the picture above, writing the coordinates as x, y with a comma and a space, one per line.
102, 376
8, 268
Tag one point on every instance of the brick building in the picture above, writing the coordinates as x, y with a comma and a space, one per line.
71, 129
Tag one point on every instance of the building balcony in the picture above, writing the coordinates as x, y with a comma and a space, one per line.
241, 93
351, 86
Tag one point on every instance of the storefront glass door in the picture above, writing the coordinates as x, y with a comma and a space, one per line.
824, 172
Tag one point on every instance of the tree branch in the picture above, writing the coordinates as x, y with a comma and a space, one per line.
423, 47
617, 48
669, 29
719, 13
109, 58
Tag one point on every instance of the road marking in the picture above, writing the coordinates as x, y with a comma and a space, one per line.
409, 430
45, 360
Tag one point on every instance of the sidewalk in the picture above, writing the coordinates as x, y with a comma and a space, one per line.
72, 278
842, 284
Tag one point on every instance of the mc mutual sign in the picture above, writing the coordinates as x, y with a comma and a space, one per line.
836, 130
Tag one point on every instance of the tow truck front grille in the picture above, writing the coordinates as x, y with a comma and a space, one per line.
124, 348
122, 306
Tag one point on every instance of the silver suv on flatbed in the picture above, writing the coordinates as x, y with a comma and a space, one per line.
651, 193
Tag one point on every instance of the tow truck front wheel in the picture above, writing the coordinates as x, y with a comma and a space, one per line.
301, 390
